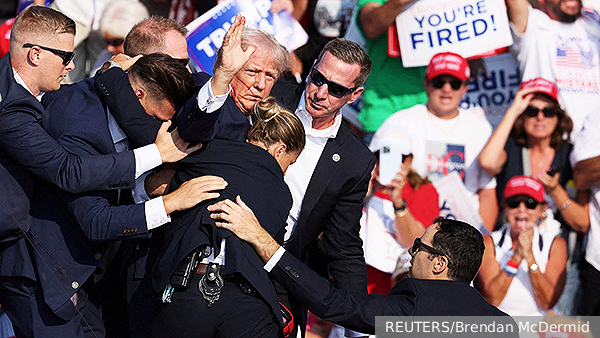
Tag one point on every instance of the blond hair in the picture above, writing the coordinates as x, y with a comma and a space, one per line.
273, 124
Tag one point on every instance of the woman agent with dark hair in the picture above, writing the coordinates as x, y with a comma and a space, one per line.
229, 293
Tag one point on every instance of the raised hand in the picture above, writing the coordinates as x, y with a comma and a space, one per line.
233, 56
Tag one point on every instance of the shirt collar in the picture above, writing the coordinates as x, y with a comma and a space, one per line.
20, 81
306, 119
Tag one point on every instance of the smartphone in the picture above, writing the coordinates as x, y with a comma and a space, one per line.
390, 163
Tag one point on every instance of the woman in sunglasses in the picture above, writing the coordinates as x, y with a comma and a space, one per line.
533, 139
523, 271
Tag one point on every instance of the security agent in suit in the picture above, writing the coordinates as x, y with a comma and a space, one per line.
40, 56
445, 259
70, 231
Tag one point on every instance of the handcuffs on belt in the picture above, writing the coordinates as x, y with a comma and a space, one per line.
210, 283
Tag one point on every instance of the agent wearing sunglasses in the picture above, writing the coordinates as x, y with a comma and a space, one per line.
446, 138
530, 141
524, 264
445, 259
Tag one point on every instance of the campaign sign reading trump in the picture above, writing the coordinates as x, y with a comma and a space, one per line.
206, 33
465, 27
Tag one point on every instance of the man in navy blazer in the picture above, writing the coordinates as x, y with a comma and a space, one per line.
445, 259
71, 231
40, 56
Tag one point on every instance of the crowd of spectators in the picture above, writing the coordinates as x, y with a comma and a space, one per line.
530, 185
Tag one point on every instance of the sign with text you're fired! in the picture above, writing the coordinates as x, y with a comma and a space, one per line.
465, 27
206, 33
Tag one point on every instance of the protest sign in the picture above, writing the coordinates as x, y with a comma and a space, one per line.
465, 27
455, 203
206, 33
494, 91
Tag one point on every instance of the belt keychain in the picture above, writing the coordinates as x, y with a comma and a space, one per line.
210, 284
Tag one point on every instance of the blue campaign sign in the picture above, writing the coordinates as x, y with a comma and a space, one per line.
207, 31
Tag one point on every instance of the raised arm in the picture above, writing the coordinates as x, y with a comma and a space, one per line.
518, 13
375, 18
493, 156
492, 281
576, 213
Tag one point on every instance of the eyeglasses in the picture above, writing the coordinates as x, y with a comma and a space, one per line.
532, 111
184, 62
419, 244
440, 81
515, 201
115, 42
334, 89
65, 56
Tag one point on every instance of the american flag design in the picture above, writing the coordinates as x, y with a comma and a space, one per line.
571, 53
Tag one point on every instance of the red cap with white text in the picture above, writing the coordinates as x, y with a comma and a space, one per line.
524, 185
448, 64
542, 86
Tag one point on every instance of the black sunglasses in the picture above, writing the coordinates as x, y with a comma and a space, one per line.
334, 89
115, 42
419, 244
532, 111
65, 56
440, 81
514, 202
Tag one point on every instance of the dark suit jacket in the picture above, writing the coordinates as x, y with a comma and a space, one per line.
409, 297
194, 125
25, 149
254, 175
69, 231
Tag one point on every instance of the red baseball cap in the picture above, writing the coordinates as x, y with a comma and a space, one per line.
542, 86
448, 64
524, 185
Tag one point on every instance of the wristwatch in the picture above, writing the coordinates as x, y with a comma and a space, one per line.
402, 210
533, 268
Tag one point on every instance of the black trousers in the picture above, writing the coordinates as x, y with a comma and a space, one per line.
235, 315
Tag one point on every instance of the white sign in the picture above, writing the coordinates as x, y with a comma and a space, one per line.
465, 27
455, 203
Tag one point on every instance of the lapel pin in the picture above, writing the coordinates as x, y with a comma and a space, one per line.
335, 157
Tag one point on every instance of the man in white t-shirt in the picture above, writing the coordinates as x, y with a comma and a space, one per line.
447, 139
560, 44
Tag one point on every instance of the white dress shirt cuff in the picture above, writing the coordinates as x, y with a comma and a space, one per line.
207, 101
156, 215
139, 193
275, 259
146, 158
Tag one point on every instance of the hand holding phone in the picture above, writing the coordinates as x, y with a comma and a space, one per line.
390, 163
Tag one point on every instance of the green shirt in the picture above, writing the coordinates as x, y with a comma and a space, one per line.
390, 87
